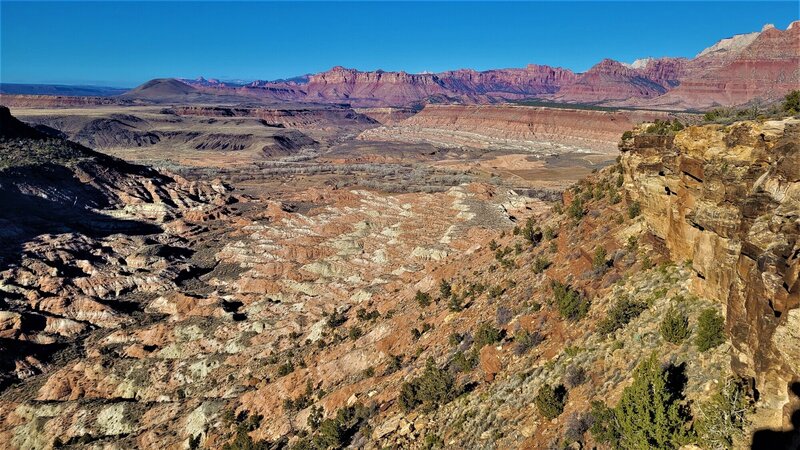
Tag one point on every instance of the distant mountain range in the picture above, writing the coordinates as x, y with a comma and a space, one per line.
753, 68
60, 89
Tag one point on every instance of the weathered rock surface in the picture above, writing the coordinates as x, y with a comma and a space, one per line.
519, 127
728, 200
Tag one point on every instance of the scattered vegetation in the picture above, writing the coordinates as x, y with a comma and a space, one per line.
486, 335
533, 235
431, 389
540, 264
789, 107
664, 127
445, 289
721, 419
464, 362
634, 209
574, 376
576, 210
674, 326
619, 315
599, 258
710, 330
336, 432
571, 304
524, 341
651, 413
423, 298
791, 103
550, 401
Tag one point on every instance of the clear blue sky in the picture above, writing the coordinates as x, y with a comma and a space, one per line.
125, 44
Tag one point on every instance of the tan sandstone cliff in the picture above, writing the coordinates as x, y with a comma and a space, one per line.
728, 200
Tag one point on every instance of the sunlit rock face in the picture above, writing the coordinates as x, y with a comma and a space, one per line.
728, 200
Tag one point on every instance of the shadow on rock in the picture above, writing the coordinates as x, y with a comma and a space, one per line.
778, 439
24, 217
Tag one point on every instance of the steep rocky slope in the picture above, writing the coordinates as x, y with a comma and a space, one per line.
728, 201
521, 127
73, 240
611, 80
758, 67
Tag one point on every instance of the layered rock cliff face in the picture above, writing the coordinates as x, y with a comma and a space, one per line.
495, 126
728, 200
755, 67
320, 117
611, 80
57, 101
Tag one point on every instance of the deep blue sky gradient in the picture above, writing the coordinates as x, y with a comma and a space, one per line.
125, 44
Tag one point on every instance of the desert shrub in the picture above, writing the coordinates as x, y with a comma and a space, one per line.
574, 376
605, 427
532, 234
524, 341
244, 424
540, 264
599, 258
365, 315
337, 431
722, 418
432, 441
651, 413
336, 319
791, 103
464, 362
674, 326
503, 315
285, 369
355, 333
571, 304
395, 363
665, 127
575, 210
550, 401
423, 298
486, 335
576, 426
623, 311
454, 304
315, 417
710, 330
445, 289
627, 135
549, 233
431, 389
634, 209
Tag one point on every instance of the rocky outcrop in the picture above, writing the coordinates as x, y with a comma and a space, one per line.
387, 116
74, 224
758, 67
321, 117
58, 101
728, 200
523, 127
611, 80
